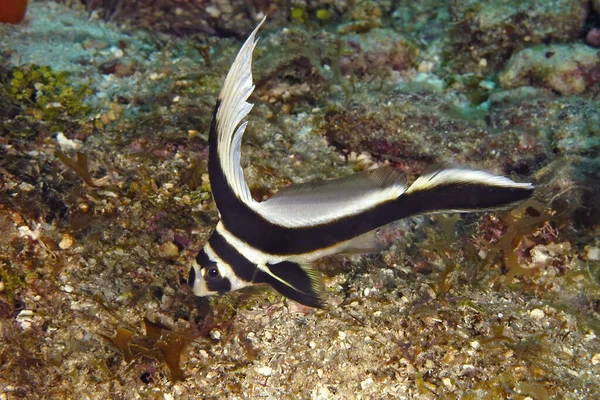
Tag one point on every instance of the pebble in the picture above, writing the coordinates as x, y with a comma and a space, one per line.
593, 37
94, 44
593, 254
26, 187
66, 241
25, 319
124, 68
596, 359
211, 374
536, 313
367, 383
213, 11
215, 334
168, 250
178, 390
264, 371
320, 392
448, 383
425, 67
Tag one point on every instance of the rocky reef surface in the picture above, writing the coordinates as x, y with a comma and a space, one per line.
104, 199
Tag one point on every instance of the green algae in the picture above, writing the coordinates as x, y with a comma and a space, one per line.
47, 94
12, 282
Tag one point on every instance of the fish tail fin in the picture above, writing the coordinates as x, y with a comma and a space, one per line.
301, 283
462, 190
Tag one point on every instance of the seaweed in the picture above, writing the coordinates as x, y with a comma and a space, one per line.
530, 219
80, 166
506, 239
497, 335
159, 343
444, 245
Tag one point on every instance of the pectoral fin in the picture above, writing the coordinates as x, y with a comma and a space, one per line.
300, 283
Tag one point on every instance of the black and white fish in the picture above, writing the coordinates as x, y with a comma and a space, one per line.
276, 240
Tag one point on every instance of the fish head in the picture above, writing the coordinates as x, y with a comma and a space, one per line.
210, 275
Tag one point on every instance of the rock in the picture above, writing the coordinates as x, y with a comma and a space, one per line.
593, 37
492, 30
416, 130
566, 69
364, 16
168, 250
376, 51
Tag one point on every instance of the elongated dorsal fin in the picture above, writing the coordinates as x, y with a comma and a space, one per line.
226, 130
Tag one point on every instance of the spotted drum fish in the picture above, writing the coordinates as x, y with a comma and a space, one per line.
276, 240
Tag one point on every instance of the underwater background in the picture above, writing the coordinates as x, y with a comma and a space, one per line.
105, 108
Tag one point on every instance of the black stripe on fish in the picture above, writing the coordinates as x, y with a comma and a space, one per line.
242, 267
218, 284
271, 238
203, 260
192, 277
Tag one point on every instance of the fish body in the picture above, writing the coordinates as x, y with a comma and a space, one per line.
276, 240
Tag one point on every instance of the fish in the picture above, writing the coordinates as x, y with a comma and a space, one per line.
276, 241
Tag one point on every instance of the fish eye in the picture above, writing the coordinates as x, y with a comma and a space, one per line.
212, 272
